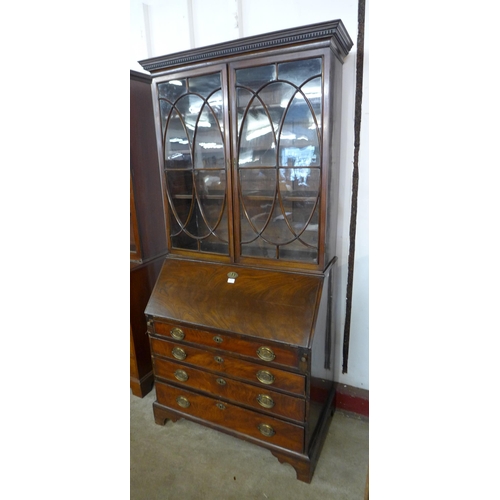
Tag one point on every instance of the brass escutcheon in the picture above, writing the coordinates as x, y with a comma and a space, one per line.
182, 401
220, 406
266, 430
265, 353
181, 375
179, 353
221, 381
218, 359
218, 339
265, 377
265, 401
177, 333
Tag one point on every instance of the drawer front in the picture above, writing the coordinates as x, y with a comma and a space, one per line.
260, 398
263, 427
219, 361
264, 351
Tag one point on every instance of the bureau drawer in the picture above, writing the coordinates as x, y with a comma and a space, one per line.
219, 361
280, 355
258, 397
263, 427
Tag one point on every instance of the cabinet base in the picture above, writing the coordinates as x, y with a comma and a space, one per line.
141, 387
304, 464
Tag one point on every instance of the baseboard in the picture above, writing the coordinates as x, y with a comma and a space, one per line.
352, 399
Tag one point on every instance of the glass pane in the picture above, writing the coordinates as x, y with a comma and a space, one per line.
298, 251
258, 193
204, 85
276, 97
313, 92
214, 245
279, 159
257, 140
299, 191
259, 248
177, 144
180, 190
209, 142
255, 77
172, 89
165, 108
195, 164
299, 144
310, 235
189, 106
210, 193
297, 72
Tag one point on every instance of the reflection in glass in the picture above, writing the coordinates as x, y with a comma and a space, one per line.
297, 72
172, 89
209, 142
279, 109
195, 166
253, 78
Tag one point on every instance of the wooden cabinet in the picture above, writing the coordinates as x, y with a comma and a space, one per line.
240, 319
148, 243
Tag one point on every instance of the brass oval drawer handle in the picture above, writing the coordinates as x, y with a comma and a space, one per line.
221, 381
266, 430
218, 339
179, 353
265, 377
218, 359
265, 401
265, 353
177, 333
181, 375
183, 402
220, 406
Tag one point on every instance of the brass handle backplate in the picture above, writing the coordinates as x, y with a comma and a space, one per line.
177, 333
179, 353
218, 339
266, 430
265, 377
218, 359
265, 353
181, 375
182, 401
221, 381
265, 401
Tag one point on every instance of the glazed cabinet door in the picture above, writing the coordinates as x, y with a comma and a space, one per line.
193, 122
279, 158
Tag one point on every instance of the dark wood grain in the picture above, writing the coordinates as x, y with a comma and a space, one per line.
293, 383
284, 355
146, 225
142, 280
263, 304
231, 389
144, 169
241, 420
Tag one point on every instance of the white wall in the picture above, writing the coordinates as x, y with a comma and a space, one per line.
161, 27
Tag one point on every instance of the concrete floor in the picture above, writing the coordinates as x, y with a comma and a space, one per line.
186, 461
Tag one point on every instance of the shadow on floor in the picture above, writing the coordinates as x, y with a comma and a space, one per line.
186, 461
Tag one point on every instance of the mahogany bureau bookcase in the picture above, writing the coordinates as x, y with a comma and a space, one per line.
240, 319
